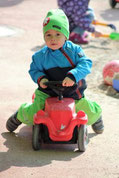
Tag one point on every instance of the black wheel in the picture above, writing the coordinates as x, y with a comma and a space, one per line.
82, 138
36, 137
112, 3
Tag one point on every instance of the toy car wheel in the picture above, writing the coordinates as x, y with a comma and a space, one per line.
112, 3
82, 138
36, 137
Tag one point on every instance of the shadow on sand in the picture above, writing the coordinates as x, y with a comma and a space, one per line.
8, 3
20, 152
110, 14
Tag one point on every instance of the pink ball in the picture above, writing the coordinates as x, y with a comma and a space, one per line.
109, 70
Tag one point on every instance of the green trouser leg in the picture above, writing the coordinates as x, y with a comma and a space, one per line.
92, 109
27, 110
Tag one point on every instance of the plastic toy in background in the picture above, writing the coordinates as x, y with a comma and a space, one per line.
113, 3
112, 36
110, 70
112, 26
115, 82
58, 122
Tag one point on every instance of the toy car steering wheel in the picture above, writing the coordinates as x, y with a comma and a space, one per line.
57, 87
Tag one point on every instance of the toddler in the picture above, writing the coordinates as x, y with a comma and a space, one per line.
59, 60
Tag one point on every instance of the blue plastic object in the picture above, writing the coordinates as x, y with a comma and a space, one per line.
115, 84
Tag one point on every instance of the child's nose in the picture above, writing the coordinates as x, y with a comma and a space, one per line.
53, 38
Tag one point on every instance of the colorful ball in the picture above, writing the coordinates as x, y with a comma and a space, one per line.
110, 70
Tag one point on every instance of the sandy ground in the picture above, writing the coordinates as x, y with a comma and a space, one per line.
17, 158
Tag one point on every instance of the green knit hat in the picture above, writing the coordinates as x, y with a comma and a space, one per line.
56, 20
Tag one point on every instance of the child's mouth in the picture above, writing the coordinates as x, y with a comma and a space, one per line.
53, 44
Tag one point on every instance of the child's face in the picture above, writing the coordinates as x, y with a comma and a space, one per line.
54, 39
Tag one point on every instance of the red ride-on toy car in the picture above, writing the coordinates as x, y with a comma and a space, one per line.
113, 3
58, 122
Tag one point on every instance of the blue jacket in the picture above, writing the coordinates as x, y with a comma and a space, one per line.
52, 64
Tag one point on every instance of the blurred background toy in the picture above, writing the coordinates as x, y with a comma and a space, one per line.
112, 36
113, 3
110, 70
112, 26
115, 82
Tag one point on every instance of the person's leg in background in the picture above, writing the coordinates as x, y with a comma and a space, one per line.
78, 34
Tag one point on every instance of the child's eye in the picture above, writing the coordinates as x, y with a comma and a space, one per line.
48, 35
58, 34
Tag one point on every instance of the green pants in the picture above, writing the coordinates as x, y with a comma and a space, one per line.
27, 110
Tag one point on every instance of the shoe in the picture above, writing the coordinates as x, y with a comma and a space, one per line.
98, 126
12, 123
85, 35
76, 38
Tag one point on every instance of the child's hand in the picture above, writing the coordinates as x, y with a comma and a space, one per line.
68, 82
42, 83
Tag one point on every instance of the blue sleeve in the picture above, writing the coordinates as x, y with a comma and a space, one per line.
36, 69
83, 66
